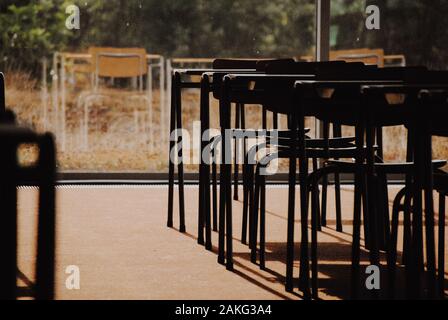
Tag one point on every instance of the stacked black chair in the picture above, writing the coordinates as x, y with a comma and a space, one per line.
426, 120
42, 175
232, 91
281, 103
185, 79
295, 89
209, 82
359, 107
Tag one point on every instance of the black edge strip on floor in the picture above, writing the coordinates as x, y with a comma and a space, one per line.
142, 178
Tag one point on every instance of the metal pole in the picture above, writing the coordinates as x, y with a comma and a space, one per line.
55, 92
166, 99
44, 93
150, 110
63, 115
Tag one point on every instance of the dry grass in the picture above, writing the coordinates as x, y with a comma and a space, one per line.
114, 142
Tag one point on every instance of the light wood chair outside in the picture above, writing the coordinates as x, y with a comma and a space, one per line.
365, 55
117, 63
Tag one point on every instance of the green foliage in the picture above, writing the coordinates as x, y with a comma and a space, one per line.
30, 30
413, 28
200, 28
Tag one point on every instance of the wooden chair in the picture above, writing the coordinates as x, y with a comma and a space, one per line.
120, 63
366, 56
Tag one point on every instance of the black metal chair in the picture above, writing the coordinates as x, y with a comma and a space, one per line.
210, 81
185, 79
431, 108
370, 175
42, 174
232, 91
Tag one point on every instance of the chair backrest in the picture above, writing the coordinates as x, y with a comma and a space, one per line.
342, 107
241, 64
319, 69
364, 55
118, 62
2, 93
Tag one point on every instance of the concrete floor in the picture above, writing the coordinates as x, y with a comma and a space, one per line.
118, 238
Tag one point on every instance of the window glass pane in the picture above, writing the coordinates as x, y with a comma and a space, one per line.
113, 122
391, 33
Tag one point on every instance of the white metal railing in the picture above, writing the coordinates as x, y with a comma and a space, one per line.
59, 93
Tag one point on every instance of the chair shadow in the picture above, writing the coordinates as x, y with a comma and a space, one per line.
334, 266
28, 290
255, 272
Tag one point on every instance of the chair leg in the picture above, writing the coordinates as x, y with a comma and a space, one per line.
314, 229
359, 197
337, 186
45, 264
407, 225
180, 168
201, 216
263, 222
251, 201
384, 217
237, 143
208, 226
392, 250
319, 225
372, 199
441, 262
323, 220
8, 226
289, 285
304, 259
170, 161
255, 212
245, 204
337, 191
229, 225
366, 219
222, 220
215, 196
356, 237
429, 218
245, 180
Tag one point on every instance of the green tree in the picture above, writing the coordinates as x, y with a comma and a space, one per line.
31, 30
